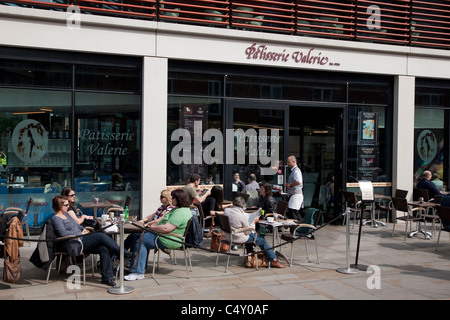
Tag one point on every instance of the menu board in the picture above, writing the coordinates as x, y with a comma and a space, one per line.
366, 190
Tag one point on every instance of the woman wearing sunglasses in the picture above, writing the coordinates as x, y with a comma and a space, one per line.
91, 243
76, 214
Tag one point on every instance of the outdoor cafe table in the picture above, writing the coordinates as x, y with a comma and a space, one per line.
372, 221
426, 206
95, 205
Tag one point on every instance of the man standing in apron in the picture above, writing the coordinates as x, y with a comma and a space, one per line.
294, 186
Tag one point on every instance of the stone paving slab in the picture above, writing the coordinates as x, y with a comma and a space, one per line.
408, 270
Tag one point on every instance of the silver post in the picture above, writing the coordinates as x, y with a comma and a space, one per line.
121, 289
347, 270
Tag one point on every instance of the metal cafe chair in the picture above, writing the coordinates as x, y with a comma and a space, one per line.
444, 216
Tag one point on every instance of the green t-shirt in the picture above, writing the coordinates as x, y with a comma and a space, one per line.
191, 192
179, 217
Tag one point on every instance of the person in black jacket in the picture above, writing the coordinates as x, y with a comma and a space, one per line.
266, 200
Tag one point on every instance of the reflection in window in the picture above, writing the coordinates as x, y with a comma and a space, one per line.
107, 146
187, 116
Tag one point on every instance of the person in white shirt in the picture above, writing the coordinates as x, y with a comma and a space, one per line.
294, 186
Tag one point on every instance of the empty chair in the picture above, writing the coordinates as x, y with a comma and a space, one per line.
444, 216
313, 217
399, 193
401, 204
353, 205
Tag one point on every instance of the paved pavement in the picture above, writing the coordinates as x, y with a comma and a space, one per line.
401, 270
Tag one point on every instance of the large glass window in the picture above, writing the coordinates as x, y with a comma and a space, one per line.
190, 121
34, 127
107, 147
431, 130
54, 135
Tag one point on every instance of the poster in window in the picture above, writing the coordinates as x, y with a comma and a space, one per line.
194, 119
368, 129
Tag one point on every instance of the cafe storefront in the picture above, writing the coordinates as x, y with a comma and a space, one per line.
154, 101
334, 123
66, 124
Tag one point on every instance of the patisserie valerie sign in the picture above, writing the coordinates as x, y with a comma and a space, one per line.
309, 56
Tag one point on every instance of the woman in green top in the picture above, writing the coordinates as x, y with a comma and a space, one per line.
174, 221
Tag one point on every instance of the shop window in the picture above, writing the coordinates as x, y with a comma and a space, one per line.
108, 145
32, 74
35, 137
189, 121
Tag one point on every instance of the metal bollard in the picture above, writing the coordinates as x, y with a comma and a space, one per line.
121, 289
348, 270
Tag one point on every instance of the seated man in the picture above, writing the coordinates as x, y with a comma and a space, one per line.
239, 219
191, 190
174, 221
425, 183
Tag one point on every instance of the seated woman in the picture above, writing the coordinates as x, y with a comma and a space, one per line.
266, 200
166, 206
97, 242
73, 210
213, 203
238, 219
174, 221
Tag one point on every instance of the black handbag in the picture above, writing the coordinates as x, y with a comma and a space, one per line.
92, 223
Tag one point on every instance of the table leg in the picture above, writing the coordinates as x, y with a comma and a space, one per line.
427, 235
373, 222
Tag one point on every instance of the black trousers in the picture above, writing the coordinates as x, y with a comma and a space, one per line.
103, 245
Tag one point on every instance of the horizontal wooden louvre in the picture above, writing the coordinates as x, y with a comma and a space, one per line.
326, 18
430, 23
399, 22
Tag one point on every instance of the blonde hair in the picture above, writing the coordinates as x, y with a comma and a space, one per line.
167, 193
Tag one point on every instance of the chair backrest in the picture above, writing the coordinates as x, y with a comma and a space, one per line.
246, 196
437, 199
128, 200
399, 193
423, 193
200, 210
349, 197
400, 204
444, 214
281, 207
224, 223
253, 198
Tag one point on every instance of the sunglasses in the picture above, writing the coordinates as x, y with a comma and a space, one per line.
162, 197
72, 195
65, 205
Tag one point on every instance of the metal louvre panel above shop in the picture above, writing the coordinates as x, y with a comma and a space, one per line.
397, 22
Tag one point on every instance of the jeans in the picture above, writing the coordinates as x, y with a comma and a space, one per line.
148, 244
103, 245
262, 243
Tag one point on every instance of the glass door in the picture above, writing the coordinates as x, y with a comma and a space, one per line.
316, 139
258, 131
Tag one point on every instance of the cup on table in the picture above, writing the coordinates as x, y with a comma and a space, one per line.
105, 217
96, 200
